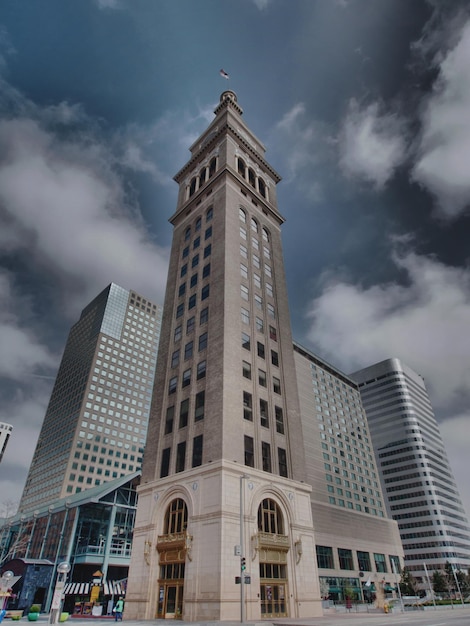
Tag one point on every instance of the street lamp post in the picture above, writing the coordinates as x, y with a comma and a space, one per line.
5, 584
242, 550
62, 570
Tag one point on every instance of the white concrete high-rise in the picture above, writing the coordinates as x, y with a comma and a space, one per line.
417, 481
95, 425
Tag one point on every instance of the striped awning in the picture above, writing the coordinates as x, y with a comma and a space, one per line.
114, 588
77, 589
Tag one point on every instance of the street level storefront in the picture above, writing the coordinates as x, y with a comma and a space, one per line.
91, 530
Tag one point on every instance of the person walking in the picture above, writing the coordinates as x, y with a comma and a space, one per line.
118, 609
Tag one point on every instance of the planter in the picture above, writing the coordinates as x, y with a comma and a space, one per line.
63, 617
33, 617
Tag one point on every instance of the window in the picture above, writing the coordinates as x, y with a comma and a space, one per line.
193, 281
184, 270
241, 168
269, 290
266, 252
258, 301
182, 290
242, 215
246, 342
206, 270
243, 271
255, 244
185, 252
256, 261
244, 292
262, 378
199, 406
270, 519
184, 411
190, 325
363, 560
201, 370
249, 451
262, 188
345, 559
165, 464
188, 350
245, 316
209, 214
266, 456
186, 378
196, 243
172, 385
271, 311
208, 233
246, 369
251, 177
180, 456
247, 406
175, 358
197, 451
195, 260
263, 413
205, 292
207, 251
259, 325
282, 459
202, 342
257, 280
243, 234
176, 517
260, 348
202, 177
276, 385
179, 310
325, 557
204, 317
265, 235
187, 233
272, 333
243, 251
198, 224
212, 167
380, 563
279, 420
178, 333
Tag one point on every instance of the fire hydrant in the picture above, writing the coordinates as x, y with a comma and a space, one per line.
386, 608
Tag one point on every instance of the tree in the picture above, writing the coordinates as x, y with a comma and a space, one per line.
408, 583
439, 582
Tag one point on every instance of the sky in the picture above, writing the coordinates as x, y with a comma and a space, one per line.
364, 108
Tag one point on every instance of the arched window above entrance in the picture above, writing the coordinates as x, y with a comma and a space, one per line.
270, 518
176, 518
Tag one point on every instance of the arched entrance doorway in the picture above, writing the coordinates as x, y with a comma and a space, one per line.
273, 546
172, 549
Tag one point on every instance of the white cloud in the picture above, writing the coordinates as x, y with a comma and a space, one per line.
73, 216
425, 323
304, 145
372, 144
442, 163
21, 352
262, 4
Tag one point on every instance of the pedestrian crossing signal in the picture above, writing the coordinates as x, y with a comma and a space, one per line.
243, 564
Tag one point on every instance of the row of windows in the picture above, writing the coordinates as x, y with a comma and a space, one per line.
263, 412
266, 461
249, 174
325, 560
180, 461
206, 173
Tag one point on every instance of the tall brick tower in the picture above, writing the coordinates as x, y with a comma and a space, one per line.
223, 492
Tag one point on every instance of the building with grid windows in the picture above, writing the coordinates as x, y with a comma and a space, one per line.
357, 545
5, 433
95, 425
417, 481
224, 491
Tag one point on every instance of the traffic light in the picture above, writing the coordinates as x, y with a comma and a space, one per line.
243, 564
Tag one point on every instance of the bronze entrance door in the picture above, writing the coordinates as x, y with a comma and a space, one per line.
170, 604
